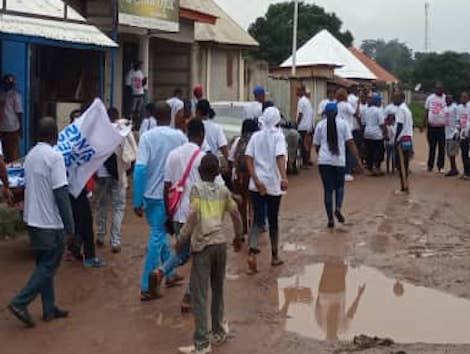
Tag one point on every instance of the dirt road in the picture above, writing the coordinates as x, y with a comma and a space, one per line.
399, 268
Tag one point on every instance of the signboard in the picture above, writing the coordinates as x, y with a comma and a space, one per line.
150, 14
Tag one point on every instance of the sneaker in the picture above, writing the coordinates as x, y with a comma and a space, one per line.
348, 178
452, 173
340, 217
94, 263
219, 339
192, 350
441, 171
56, 314
23, 315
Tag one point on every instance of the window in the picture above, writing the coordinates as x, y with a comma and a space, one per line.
229, 69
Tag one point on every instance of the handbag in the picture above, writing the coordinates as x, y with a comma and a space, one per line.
176, 191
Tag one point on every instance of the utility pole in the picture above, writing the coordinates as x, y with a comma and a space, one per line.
427, 6
294, 37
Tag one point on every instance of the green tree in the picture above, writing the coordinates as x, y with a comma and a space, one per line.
274, 30
394, 56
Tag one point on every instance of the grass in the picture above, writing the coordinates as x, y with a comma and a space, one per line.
418, 115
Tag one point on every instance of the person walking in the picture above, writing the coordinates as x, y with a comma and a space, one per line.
209, 250
136, 81
177, 108
48, 215
452, 135
347, 113
112, 183
149, 121
332, 138
374, 133
436, 123
266, 156
463, 115
403, 139
11, 118
152, 154
305, 124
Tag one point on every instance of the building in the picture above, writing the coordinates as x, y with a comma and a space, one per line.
56, 56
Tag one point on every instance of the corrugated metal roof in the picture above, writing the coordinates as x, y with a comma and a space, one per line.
59, 30
225, 30
325, 49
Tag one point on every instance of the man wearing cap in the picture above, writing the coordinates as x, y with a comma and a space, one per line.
255, 109
198, 94
11, 116
305, 123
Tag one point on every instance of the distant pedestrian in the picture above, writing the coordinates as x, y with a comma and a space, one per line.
254, 109
332, 138
305, 123
463, 116
452, 134
112, 183
48, 215
135, 80
374, 133
149, 121
149, 175
403, 139
436, 122
266, 156
209, 251
11, 118
198, 94
177, 108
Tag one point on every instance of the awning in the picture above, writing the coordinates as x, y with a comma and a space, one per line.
55, 30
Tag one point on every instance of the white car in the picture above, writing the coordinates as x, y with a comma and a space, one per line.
230, 116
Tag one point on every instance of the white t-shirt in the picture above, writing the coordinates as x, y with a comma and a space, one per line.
305, 108
214, 137
264, 148
322, 106
147, 124
435, 105
253, 110
452, 122
354, 101
374, 118
135, 81
1, 148
390, 110
346, 111
362, 112
405, 117
11, 104
233, 149
44, 171
325, 157
463, 114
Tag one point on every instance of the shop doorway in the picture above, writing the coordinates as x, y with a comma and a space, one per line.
130, 56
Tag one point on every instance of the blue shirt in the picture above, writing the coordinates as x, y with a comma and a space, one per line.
154, 148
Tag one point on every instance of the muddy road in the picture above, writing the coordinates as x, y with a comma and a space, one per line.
399, 268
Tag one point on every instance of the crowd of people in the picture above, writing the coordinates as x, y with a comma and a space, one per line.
186, 177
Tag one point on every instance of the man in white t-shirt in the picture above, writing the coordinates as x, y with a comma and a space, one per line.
136, 81
463, 116
452, 135
403, 138
48, 214
305, 123
436, 124
255, 108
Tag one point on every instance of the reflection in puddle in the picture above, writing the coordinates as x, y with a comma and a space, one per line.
335, 302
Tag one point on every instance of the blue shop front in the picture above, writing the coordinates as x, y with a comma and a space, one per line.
59, 63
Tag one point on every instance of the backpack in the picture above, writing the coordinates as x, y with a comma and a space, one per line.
240, 160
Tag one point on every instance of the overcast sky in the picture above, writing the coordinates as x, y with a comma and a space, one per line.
371, 19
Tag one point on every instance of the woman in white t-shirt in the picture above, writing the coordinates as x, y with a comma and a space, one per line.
266, 155
332, 138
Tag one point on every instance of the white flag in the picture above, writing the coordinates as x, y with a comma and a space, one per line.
87, 143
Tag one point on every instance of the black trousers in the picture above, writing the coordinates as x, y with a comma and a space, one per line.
84, 234
403, 158
305, 152
375, 153
436, 138
464, 146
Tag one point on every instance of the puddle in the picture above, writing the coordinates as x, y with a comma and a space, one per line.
333, 301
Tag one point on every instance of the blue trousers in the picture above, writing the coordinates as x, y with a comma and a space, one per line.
158, 248
178, 259
42, 279
333, 181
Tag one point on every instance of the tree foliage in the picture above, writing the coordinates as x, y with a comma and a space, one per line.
274, 30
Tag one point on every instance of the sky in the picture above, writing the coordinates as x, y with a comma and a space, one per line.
373, 19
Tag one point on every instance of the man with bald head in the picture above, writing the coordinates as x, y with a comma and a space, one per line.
154, 147
48, 214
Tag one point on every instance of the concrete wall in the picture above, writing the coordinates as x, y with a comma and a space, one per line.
256, 73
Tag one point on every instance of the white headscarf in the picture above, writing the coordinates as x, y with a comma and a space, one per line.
176, 105
269, 119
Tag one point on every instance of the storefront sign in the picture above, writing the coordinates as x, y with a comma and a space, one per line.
151, 14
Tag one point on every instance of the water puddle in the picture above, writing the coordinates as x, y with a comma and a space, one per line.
334, 301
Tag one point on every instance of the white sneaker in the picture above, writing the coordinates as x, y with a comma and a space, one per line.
192, 350
348, 178
219, 339
441, 171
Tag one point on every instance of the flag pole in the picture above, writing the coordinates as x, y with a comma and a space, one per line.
294, 38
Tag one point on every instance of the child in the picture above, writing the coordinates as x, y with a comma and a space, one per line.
209, 202
390, 142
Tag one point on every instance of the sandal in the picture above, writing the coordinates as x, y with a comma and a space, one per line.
252, 268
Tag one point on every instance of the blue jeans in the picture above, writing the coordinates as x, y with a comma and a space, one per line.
42, 279
158, 249
333, 181
178, 259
